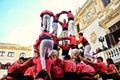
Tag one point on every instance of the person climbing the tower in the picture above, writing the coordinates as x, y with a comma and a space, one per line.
46, 42
46, 19
71, 22
55, 23
86, 44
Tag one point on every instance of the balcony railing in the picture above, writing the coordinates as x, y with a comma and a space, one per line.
113, 53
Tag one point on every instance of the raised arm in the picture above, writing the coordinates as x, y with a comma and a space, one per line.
60, 45
37, 43
80, 40
83, 59
26, 62
41, 14
64, 12
60, 22
52, 14
65, 38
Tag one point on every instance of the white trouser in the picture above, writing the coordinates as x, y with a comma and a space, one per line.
87, 51
55, 27
65, 34
46, 22
71, 26
46, 43
74, 51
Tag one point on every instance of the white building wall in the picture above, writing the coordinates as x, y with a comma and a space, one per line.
99, 31
2, 73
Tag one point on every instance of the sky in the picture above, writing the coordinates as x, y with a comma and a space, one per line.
20, 20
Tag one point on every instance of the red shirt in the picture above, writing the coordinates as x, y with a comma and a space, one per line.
31, 71
72, 40
57, 69
88, 69
70, 15
111, 68
40, 79
26, 67
56, 40
69, 66
83, 40
37, 43
41, 36
14, 68
80, 66
46, 12
56, 17
49, 63
37, 63
64, 25
65, 47
101, 66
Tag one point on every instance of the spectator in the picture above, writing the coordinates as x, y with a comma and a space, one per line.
98, 50
112, 70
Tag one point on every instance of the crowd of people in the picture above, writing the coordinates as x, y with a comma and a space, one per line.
48, 64
68, 68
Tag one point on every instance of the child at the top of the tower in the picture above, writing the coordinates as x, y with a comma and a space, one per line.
70, 22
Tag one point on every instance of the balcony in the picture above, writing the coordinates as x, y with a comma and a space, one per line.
113, 53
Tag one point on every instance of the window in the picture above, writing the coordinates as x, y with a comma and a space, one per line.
11, 54
106, 2
78, 28
22, 54
110, 40
2, 53
88, 15
115, 31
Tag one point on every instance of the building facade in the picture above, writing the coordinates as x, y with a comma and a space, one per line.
100, 19
10, 53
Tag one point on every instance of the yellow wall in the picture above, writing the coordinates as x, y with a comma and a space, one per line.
17, 49
100, 19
